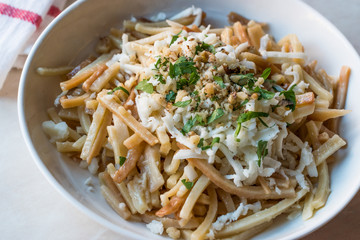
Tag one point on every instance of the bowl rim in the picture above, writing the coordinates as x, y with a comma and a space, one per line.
101, 220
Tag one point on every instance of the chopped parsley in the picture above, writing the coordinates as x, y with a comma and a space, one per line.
218, 113
264, 94
246, 117
262, 151
170, 97
191, 123
158, 63
145, 86
241, 105
122, 160
201, 143
204, 47
219, 81
214, 98
174, 38
160, 78
187, 184
290, 97
182, 103
194, 77
244, 102
266, 73
247, 79
119, 88
181, 67
181, 83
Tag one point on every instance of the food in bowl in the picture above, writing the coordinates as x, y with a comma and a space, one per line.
201, 133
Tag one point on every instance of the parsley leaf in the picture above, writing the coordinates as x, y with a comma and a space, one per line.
191, 123
187, 184
183, 66
215, 140
263, 123
160, 78
204, 47
264, 94
145, 86
218, 113
214, 98
201, 143
244, 102
182, 103
262, 151
246, 117
119, 88
181, 83
290, 97
266, 73
170, 97
194, 77
240, 105
174, 38
122, 160
219, 81
158, 63
194, 93
247, 79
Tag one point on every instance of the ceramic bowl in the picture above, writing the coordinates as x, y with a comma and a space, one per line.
71, 37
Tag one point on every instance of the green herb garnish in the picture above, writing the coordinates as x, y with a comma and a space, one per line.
174, 38
201, 143
290, 97
122, 160
158, 63
170, 97
218, 113
247, 79
194, 77
182, 103
215, 140
160, 78
119, 88
266, 73
145, 86
214, 98
241, 105
246, 117
244, 102
187, 184
191, 123
219, 81
261, 151
182, 66
204, 47
264, 94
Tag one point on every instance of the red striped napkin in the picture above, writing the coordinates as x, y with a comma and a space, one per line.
21, 22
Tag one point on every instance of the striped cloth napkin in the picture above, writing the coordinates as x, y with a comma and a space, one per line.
21, 22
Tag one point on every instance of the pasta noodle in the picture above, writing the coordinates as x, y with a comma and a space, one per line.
207, 133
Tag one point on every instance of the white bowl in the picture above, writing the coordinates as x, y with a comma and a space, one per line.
71, 37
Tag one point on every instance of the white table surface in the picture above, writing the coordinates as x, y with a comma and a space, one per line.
31, 208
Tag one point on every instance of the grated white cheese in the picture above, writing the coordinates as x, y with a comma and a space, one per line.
155, 227
226, 219
56, 132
